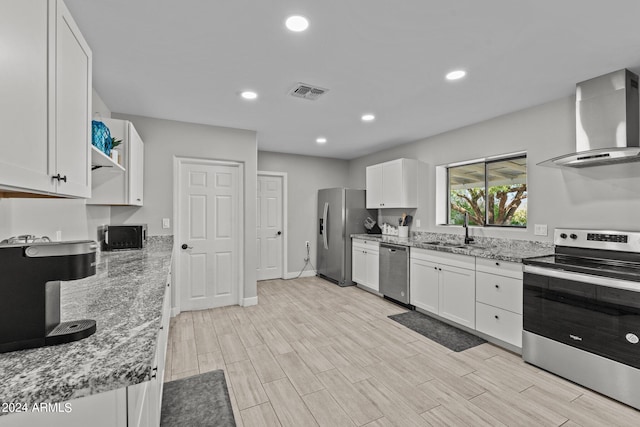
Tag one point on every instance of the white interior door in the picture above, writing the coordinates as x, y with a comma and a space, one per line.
209, 232
269, 221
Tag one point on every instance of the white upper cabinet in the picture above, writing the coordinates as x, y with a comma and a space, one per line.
45, 83
393, 184
112, 186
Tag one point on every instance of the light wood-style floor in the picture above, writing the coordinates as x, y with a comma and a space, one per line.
312, 353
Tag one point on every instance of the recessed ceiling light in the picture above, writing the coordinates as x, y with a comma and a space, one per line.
455, 75
321, 140
247, 94
297, 23
368, 118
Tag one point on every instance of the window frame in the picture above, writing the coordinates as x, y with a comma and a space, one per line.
485, 162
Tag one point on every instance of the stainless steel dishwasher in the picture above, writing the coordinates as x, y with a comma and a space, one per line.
394, 272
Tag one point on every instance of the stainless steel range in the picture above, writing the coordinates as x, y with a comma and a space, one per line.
581, 314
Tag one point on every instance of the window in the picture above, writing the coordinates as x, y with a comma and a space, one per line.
505, 202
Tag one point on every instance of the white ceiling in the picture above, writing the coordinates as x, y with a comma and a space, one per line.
188, 60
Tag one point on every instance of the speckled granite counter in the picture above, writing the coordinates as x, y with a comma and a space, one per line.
483, 247
125, 299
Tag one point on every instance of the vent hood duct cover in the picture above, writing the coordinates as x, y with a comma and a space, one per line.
607, 122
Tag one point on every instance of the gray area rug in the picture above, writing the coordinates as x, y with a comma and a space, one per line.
201, 400
449, 336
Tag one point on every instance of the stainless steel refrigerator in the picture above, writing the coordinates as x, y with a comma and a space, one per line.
341, 213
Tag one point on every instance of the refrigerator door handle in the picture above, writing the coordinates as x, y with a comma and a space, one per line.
324, 221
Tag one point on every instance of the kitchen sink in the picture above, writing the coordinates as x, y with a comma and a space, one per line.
454, 245
469, 246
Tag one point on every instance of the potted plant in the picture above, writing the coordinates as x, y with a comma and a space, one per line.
115, 155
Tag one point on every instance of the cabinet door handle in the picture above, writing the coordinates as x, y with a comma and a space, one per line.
498, 264
60, 178
497, 286
496, 316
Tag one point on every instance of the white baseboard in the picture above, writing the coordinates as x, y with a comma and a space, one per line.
306, 273
247, 302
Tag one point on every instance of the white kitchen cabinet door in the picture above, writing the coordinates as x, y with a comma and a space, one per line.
135, 171
392, 185
374, 187
24, 162
458, 295
424, 285
373, 269
359, 265
45, 83
72, 108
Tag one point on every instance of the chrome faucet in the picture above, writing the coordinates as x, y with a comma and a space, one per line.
467, 239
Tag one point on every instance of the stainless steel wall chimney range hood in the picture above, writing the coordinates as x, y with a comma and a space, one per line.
607, 122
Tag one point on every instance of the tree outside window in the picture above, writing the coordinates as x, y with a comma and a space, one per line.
505, 202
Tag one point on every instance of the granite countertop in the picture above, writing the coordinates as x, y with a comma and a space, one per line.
125, 299
483, 247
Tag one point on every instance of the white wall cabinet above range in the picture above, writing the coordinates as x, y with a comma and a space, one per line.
365, 256
112, 186
45, 107
444, 284
393, 184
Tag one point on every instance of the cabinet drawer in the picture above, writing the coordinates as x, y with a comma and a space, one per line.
367, 245
501, 324
444, 258
499, 291
503, 268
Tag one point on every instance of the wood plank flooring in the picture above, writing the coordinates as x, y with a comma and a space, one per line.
314, 354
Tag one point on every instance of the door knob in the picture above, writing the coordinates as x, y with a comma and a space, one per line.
185, 246
278, 233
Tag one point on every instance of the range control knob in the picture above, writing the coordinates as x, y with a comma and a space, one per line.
563, 235
573, 236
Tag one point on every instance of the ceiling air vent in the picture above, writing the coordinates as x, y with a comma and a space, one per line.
306, 91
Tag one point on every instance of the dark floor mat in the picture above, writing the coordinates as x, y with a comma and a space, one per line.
449, 336
200, 400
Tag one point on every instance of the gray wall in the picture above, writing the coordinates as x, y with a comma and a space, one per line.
306, 175
45, 217
600, 197
5, 219
98, 106
166, 139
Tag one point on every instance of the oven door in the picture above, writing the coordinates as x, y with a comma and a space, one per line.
593, 313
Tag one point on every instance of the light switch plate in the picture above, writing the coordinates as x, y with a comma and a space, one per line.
166, 223
540, 230
418, 223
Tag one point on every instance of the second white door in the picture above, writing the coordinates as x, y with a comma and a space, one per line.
209, 196
269, 227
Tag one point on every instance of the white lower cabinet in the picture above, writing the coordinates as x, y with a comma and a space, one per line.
444, 284
365, 257
424, 283
499, 300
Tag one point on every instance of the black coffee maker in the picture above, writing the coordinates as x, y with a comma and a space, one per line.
30, 275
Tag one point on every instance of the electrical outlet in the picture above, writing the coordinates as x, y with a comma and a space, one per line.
166, 223
540, 230
418, 223
58, 236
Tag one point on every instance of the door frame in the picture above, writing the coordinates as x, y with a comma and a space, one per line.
285, 222
178, 162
